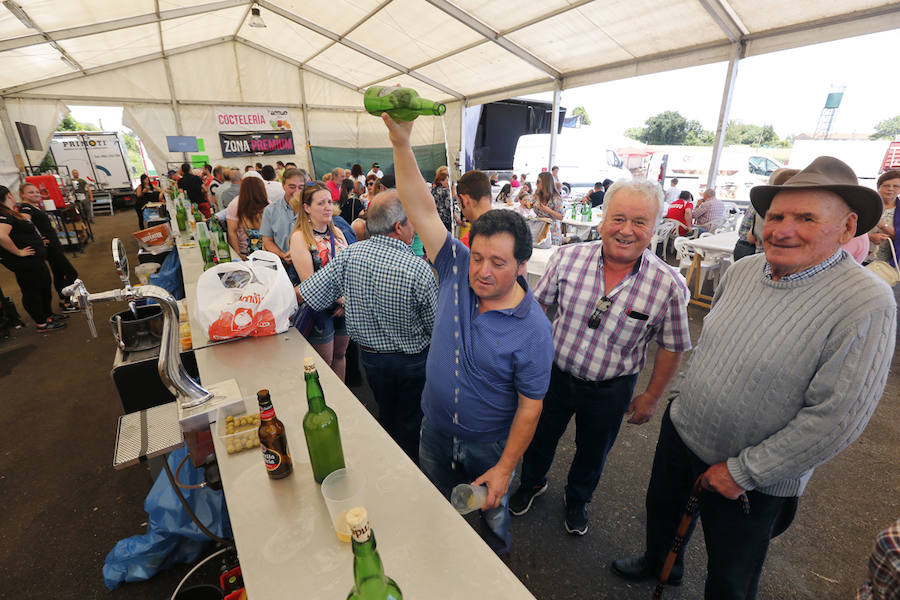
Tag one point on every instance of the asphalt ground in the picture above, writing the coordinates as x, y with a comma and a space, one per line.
64, 506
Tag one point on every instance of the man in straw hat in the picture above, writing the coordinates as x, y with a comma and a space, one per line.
790, 365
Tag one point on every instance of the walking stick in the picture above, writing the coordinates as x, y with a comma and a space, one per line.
683, 526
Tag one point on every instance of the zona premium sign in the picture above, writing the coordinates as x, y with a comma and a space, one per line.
256, 144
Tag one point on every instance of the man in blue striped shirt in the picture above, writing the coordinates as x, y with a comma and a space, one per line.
390, 297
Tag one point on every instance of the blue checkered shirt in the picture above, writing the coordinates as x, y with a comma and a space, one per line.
389, 293
807, 273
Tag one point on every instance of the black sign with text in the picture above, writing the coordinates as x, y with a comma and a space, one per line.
256, 144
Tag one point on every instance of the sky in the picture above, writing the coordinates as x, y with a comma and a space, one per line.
784, 89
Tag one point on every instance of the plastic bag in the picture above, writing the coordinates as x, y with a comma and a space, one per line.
251, 298
172, 537
169, 276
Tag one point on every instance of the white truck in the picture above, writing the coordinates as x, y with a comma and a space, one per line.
98, 156
581, 155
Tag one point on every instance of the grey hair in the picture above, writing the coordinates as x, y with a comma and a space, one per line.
234, 176
650, 189
384, 212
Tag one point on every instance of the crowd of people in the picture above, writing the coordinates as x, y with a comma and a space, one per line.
471, 377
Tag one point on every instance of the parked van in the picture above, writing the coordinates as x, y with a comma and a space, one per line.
740, 168
581, 155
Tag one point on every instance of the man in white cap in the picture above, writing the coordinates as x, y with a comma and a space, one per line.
791, 363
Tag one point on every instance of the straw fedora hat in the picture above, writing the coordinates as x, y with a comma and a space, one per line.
833, 175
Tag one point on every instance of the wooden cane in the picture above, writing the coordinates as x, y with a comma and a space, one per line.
689, 511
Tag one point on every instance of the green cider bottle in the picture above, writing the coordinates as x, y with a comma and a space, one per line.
403, 104
369, 580
203, 241
223, 251
181, 217
320, 427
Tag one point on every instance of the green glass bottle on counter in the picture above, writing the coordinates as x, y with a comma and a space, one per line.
403, 104
222, 250
203, 241
369, 580
181, 217
320, 427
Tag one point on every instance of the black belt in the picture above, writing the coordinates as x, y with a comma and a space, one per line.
593, 384
374, 351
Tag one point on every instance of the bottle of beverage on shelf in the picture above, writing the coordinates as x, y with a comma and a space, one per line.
369, 580
272, 439
320, 426
403, 104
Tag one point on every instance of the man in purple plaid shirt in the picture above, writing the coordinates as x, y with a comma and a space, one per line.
613, 298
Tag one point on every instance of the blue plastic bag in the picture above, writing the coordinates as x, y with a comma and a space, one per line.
169, 276
172, 537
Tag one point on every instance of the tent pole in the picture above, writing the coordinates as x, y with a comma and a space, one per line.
722, 123
554, 124
463, 105
11, 138
305, 108
178, 128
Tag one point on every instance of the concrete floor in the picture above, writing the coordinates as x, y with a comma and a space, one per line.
64, 507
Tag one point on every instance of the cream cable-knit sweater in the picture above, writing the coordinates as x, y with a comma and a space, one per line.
786, 374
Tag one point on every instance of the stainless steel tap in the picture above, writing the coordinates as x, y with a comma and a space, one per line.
171, 370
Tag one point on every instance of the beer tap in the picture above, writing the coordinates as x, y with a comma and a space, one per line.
171, 370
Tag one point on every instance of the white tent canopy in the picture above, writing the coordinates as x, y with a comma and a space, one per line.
171, 62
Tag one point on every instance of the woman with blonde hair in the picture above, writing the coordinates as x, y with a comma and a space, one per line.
315, 241
548, 204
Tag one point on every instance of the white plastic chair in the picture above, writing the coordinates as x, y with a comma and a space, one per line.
685, 256
661, 235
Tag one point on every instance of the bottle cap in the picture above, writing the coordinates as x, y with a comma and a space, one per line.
309, 364
358, 521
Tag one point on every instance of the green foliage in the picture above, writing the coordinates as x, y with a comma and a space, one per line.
580, 111
135, 163
671, 128
887, 129
70, 124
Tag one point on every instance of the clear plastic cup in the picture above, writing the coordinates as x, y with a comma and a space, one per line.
343, 489
466, 498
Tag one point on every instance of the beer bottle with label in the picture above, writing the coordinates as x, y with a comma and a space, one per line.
272, 439
320, 426
403, 104
370, 582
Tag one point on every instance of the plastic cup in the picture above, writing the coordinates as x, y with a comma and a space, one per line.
343, 489
466, 498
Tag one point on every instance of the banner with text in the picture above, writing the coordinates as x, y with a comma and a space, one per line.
241, 118
256, 144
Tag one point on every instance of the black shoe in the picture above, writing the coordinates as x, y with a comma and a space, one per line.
50, 325
521, 500
59, 317
576, 518
67, 307
635, 568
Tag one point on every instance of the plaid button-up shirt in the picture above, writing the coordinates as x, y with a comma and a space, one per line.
649, 304
807, 273
884, 567
390, 294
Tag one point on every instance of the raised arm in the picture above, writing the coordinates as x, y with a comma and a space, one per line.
414, 193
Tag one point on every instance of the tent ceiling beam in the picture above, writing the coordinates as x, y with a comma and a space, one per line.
485, 31
511, 90
113, 66
357, 47
721, 17
116, 24
42, 35
353, 28
297, 63
859, 15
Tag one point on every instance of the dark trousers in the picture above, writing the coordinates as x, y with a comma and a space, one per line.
34, 281
598, 408
397, 380
64, 274
736, 544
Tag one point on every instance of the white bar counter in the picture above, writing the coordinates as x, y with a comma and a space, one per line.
285, 538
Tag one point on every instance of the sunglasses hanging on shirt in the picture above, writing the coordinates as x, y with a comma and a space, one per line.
597, 316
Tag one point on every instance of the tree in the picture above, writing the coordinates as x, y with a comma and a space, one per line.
887, 129
579, 111
671, 128
70, 124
